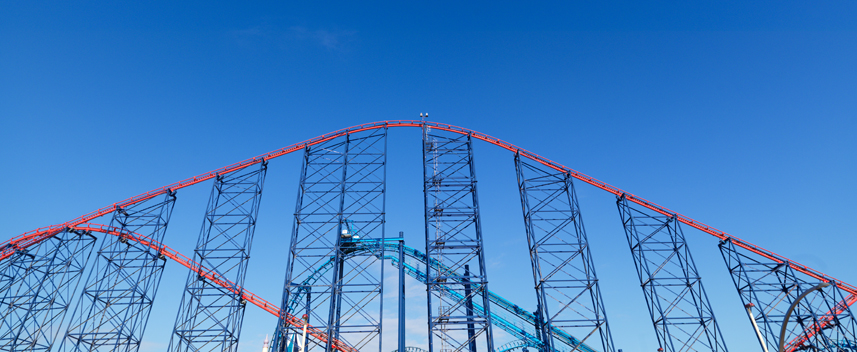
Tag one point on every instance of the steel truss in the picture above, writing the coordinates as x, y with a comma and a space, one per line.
210, 316
567, 290
113, 309
42, 284
340, 205
8, 273
454, 240
768, 286
680, 310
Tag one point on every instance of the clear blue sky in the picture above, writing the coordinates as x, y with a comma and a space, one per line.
740, 115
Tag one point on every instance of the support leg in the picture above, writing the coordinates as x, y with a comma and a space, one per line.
210, 316
566, 285
679, 308
113, 309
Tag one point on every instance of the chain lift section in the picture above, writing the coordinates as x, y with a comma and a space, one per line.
567, 290
681, 313
821, 321
43, 282
210, 316
113, 309
453, 241
340, 208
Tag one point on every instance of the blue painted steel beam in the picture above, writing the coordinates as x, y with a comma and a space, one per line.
210, 316
505, 315
113, 309
516, 325
36, 301
518, 322
8, 273
341, 199
468, 309
453, 238
566, 285
822, 321
401, 293
681, 313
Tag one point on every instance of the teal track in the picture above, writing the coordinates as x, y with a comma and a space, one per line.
511, 318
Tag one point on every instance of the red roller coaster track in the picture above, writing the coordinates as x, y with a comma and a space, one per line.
35, 236
213, 277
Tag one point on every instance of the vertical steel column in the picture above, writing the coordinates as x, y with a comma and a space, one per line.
539, 324
453, 240
113, 309
401, 292
822, 321
567, 290
210, 316
680, 310
336, 241
36, 301
468, 309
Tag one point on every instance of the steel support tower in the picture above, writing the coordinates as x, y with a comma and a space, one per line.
43, 280
453, 240
340, 207
402, 309
768, 286
567, 289
113, 309
210, 316
679, 308
333, 293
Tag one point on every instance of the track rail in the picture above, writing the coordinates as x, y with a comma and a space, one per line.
212, 276
824, 321
32, 237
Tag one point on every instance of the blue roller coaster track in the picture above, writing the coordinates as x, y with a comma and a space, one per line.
509, 347
510, 317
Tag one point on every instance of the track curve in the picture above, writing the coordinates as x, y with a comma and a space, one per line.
211, 276
260, 302
35, 236
498, 302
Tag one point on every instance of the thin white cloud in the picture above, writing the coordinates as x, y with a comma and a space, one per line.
331, 39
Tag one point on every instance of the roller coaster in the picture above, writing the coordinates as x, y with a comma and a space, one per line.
333, 291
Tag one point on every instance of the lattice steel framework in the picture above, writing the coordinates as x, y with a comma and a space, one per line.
113, 309
567, 290
43, 280
9, 273
822, 321
679, 308
210, 316
340, 206
453, 239
335, 278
